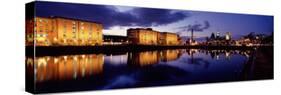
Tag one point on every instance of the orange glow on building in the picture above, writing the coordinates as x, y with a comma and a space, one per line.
58, 31
170, 39
147, 36
142, 36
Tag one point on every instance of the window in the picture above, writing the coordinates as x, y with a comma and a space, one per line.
91, 28
64, 25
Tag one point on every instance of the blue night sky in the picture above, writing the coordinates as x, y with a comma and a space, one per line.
117, 19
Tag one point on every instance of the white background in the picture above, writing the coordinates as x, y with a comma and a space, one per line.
12, 47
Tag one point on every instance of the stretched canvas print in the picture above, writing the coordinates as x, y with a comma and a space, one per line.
78, 47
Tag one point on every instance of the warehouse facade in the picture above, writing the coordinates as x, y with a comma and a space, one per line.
148, 36
60, 31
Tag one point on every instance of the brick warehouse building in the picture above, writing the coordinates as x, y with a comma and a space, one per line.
61, 31
142, 36
148, 36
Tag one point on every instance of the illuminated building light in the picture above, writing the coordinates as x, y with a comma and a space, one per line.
75, 58
41, 62
147, 36
56, 60
48, 58
55, 33
29, 61
217, 57
65, 57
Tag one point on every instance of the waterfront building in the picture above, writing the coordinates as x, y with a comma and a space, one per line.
170, 38
220, 41
142, 36
61, 31
227, 36
40, 31
147, 36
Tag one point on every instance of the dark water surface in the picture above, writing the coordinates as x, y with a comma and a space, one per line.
148, 68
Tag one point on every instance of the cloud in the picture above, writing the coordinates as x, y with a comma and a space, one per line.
155, 17
195, 27
109, 16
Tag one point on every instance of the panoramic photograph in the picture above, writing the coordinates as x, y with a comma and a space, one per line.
82, 47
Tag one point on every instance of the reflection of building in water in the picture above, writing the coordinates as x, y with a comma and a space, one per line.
152, 57
191, 51
67, 67
169, 55
29, 68
116, 59
147, 36
143, 58
216, 54
48, 31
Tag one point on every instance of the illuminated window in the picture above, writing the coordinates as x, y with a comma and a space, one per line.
91, 29
46, 42
64, 25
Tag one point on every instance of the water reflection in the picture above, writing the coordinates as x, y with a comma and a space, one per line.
66, 67
148, 68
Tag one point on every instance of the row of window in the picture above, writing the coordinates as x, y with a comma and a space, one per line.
42, 35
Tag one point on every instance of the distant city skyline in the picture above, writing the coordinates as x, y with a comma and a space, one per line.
117, 19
